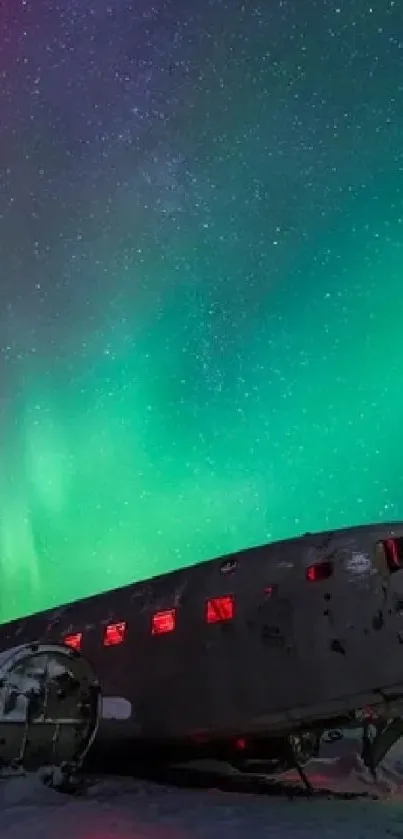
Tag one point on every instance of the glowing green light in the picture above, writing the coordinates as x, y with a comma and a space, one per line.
161, 445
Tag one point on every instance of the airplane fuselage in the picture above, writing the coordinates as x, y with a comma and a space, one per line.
263, 642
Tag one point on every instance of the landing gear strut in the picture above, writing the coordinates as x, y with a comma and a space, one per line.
296, 753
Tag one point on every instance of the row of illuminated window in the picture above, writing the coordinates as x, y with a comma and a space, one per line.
218, 610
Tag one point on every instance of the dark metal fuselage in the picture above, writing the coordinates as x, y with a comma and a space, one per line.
296, 651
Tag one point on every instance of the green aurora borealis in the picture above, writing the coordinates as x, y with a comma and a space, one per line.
219, 363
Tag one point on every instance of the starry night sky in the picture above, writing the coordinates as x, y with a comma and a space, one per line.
201, 252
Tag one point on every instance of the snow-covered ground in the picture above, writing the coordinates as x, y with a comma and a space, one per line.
116, 808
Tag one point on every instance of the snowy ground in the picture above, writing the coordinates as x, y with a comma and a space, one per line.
124, 809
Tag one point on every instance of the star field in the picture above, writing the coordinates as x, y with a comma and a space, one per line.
201, 253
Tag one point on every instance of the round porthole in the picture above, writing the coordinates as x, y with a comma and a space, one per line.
49, 707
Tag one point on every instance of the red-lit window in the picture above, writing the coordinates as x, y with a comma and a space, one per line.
319, 572
163, 622
393, 551
220, 609
114, 634
74, 641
